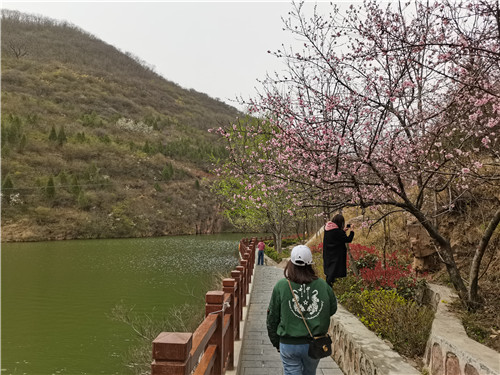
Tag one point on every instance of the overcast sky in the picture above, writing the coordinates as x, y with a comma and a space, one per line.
218, 48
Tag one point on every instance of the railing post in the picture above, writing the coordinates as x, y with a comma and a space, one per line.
171, 353
241, 270
229, 286
244, 264
253, 244
250, 262
248, 268
214, 303
236, 275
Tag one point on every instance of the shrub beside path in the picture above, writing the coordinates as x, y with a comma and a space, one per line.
258, 356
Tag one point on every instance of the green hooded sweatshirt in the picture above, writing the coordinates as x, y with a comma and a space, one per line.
284, 323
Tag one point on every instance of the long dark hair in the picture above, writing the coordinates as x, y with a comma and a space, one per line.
339, 220
300, 274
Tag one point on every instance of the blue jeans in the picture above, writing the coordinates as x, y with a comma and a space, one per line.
260, 258
296, 361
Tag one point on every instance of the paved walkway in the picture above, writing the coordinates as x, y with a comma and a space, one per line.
258, 356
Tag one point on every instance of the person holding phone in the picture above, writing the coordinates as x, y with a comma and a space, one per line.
334, 248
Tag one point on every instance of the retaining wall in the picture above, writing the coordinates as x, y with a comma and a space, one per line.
358, 351
449, 350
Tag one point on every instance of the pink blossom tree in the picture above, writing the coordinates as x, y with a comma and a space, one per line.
396, 107
253, 201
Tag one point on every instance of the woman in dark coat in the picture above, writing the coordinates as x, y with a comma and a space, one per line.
334, 249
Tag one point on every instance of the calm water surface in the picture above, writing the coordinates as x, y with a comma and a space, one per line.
57, 296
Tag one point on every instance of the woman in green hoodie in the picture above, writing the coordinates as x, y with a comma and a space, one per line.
285, 326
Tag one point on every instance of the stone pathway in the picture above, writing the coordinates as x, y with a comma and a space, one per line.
258, 356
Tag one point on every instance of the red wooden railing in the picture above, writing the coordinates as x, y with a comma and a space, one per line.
210, 349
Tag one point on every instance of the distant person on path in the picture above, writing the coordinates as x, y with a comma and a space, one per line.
334, 248
285, 326
260, 259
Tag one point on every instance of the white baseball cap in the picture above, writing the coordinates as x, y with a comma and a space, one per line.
301, 255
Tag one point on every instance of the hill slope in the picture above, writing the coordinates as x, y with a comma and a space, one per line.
95, 144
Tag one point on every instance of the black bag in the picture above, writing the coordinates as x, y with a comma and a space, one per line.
320, 347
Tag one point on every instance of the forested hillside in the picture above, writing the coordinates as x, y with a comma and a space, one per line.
95, 144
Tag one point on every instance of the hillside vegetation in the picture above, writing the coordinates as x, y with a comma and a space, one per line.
96, 144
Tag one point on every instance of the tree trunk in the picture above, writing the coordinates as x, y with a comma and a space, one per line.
306, 230
352, 263
473, 296
276, 224
448, 259
445, 253
297, 230
386, 241
277, 235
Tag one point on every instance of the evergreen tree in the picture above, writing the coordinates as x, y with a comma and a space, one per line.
75, 186
7, 188
61, 137
83, 201
22, 143
63, 178
168, 172
50, 190
80, 137
52, 134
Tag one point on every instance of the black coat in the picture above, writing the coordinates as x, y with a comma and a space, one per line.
335, 253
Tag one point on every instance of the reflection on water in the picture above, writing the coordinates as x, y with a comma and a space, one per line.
57, 296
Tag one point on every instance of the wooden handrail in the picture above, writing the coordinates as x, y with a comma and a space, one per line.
202, 334
210, 349
207, 361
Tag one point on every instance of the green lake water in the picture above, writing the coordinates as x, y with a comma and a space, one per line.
57, 296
